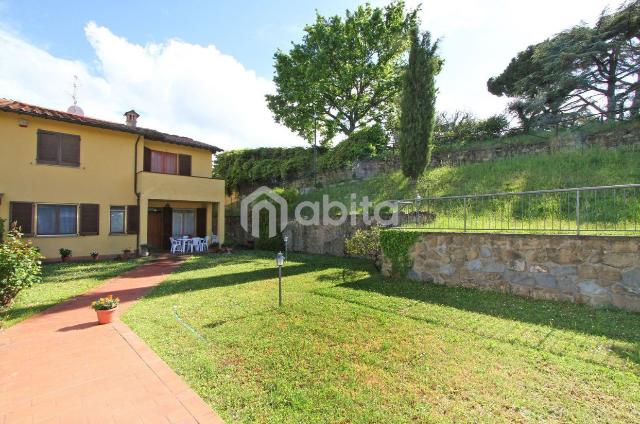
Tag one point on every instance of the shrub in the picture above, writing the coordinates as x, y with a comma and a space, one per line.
396, 244
366, 243
65, 253
462, 127
274, 166
20, 266
367, 143
493, 127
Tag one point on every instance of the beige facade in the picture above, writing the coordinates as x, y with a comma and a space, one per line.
111, 173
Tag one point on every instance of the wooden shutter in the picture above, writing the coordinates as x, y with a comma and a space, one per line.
89, 220
22, 214
201, 222
147, 160
133, 219
70, 150
48, 147
167, 226
184, 165
169, 163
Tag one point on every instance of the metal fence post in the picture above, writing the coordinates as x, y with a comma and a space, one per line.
465, 214
577, 212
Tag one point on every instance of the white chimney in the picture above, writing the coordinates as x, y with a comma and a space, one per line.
132, 118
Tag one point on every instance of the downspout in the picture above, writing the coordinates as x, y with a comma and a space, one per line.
135, 190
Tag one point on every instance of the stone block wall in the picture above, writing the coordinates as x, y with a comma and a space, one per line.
599, 271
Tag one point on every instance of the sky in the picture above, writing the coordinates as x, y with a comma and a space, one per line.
201, 68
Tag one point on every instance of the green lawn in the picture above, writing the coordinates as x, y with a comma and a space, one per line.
61, 281
351, 346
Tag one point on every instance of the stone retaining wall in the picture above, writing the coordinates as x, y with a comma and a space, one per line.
599, 271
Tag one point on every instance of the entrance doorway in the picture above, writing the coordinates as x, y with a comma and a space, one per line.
154, 228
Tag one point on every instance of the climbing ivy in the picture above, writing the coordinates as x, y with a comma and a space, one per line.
395, 245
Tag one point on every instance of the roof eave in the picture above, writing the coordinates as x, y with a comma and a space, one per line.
131, 130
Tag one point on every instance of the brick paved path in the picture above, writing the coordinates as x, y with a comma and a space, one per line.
61, 367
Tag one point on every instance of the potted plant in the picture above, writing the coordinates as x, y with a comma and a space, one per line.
65, 254
94, 255
126, 254
105, 307
144, 250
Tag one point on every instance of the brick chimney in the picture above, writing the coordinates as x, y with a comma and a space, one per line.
132, 118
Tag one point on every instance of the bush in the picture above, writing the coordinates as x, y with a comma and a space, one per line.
367, 143
275, 166
366, 244
250, 168
65, 253
462, 127
20, 266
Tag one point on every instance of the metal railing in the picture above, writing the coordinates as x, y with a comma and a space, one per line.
599, 210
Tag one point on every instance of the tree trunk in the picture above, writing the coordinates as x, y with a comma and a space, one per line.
635, 105
611, 85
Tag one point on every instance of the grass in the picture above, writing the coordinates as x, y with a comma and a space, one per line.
600, 212
352, 346
61, 281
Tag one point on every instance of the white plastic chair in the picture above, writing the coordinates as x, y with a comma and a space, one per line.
194, 244
176, 245
205, 244
188, 244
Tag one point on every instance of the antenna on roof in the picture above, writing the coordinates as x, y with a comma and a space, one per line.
75, 109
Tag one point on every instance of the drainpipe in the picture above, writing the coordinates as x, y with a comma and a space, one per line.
135, 190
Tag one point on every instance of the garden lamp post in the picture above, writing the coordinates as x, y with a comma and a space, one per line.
286, 239
279, 263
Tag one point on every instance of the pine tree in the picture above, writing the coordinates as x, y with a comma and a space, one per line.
417, 106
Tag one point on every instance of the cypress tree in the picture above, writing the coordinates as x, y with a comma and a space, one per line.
417, 105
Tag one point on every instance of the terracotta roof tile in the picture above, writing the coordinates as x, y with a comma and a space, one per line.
41, 112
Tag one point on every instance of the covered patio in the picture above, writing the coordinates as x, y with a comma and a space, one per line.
180, 207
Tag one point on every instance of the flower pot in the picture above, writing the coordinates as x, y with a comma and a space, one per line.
105, 316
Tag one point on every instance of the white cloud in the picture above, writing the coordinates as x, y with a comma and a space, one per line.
177, 87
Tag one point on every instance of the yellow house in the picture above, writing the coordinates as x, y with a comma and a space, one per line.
86, 185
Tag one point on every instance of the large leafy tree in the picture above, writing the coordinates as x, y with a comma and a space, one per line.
345, 74
417, 108
581, 71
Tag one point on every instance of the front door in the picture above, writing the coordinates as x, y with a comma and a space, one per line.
154, 228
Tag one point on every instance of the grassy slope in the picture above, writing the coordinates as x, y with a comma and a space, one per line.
576, 168
600, 212
543, 136
60, 282
352, 346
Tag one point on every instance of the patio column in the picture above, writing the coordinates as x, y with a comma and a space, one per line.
221, 221
209, 218
144, 216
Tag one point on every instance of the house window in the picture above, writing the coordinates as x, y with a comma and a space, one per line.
57, 220
184, 222
164, 162
58, 148
117, 219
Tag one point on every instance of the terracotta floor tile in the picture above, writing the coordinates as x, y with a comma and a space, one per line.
61, 367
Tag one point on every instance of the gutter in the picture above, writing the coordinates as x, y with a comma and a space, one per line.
135, 190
